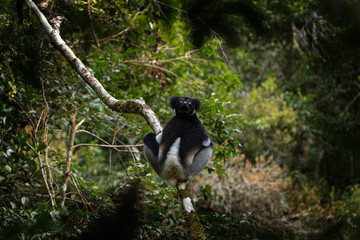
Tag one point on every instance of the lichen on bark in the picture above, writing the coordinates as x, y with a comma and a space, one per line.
127, 107
194, 226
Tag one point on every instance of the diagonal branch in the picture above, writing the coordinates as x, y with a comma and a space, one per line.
135, 106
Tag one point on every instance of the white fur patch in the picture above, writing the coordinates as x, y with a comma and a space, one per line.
173, 154
172, 167
190, 156
158, 137
206, 142
188, 205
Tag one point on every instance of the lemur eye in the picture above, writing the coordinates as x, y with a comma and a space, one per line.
189, 103
181, 101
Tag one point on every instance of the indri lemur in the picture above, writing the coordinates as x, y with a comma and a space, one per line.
182, 150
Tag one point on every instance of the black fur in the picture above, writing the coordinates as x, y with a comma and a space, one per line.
195, 148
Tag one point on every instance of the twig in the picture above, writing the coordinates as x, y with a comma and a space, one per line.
92, 134
110, 152
128, 28
52, 200
22, 108
50, 190
104, 145
46, 156
77, 187
45, 195
39, 121
115, 35
141, 12
43, 173
107, 144
122, 162
158, 67
68, 158
91, 24
169, 6
352, 102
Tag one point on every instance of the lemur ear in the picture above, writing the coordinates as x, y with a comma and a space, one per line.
197, 103
173, 101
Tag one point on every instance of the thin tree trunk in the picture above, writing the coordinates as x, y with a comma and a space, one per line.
68, 161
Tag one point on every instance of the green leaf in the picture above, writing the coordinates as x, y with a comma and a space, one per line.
89, 160
40, 147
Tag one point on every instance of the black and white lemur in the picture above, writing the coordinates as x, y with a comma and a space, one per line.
182, 150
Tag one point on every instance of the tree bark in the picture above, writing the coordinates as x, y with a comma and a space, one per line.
194, 227
135, 106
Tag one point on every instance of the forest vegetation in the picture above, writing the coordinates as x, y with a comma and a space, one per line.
280, 88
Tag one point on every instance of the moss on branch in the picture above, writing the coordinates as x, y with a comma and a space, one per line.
194, 226
127, 107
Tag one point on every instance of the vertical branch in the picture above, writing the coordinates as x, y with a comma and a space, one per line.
68, 160
110, 151
46, 140
91, 24
47, 165
43, 173
65, 180
195, 229
48, 170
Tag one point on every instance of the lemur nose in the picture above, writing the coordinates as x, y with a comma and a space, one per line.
184, 105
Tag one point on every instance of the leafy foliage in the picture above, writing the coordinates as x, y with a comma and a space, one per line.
282, 110
227, 227
271, 123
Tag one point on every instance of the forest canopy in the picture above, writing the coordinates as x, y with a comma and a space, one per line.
280, 88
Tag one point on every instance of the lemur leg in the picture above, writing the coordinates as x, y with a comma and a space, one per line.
151, 150
200, 160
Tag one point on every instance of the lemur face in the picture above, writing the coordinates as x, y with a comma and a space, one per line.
185, 106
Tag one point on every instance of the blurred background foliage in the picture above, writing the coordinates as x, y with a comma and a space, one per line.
280, 87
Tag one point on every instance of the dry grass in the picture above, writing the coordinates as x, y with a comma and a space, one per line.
260, 189
266, 190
